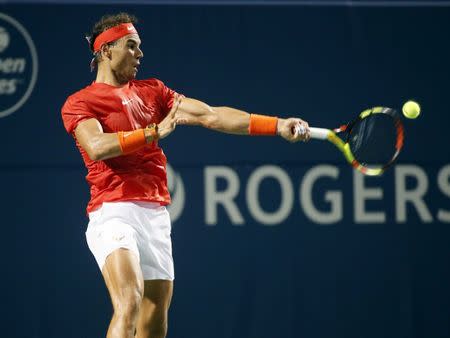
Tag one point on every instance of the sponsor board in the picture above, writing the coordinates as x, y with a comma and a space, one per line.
324, 194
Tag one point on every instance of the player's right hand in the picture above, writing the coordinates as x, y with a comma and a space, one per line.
166, 126
293, 129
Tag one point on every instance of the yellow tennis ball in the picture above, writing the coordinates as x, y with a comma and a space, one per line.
411, 109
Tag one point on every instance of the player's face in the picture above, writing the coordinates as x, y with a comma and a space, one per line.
125, 57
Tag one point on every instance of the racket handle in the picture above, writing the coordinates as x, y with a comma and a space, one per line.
319, 133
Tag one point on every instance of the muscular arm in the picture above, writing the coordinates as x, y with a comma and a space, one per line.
97, 144
230, 120
101, 146
224, 119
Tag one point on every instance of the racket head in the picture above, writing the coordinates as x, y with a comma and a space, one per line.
374, 140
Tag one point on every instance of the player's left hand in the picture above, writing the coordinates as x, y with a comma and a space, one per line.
293, 129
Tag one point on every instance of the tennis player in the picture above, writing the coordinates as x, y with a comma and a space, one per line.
116, 122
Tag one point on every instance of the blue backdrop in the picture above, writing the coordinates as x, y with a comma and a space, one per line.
271, 239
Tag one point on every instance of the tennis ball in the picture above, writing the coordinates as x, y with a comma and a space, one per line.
411, 109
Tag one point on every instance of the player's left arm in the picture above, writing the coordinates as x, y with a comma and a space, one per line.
234, 121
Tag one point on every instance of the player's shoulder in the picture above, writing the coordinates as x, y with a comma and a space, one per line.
81, 95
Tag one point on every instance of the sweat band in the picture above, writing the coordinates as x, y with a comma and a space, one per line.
113, 34
262, 125
130, 141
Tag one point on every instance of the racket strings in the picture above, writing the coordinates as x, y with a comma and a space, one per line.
375, 140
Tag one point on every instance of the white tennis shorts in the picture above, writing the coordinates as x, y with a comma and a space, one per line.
141, 227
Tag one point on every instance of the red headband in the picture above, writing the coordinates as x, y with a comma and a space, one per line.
113, 34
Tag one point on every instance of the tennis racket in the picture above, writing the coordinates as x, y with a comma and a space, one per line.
371, 142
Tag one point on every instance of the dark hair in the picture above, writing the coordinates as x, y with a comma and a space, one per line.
107, 21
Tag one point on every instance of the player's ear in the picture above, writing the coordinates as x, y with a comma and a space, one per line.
106, 51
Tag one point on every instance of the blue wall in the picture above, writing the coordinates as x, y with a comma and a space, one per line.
359, 275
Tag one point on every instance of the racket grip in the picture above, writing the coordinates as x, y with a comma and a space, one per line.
319, 133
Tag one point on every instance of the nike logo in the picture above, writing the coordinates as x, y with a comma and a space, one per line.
118, 237
125, 102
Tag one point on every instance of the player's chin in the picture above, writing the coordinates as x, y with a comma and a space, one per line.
131, 75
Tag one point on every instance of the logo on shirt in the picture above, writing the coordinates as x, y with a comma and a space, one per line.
18, 65
118, 237
176, 188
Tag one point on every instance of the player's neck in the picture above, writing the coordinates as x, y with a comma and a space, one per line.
107, 76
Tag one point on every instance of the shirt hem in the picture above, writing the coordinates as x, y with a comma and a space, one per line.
98, 206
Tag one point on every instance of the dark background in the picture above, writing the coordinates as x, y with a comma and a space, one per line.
295, 278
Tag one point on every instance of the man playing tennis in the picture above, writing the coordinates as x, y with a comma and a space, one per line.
117, 122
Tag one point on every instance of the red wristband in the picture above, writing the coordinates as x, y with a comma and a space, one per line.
130, 141
262, 125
